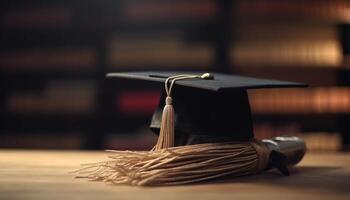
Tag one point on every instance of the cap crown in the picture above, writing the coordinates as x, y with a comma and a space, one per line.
208, 110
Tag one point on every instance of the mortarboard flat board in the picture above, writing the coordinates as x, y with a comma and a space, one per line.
208, 110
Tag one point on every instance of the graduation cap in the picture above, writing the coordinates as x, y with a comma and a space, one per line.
205, 132
202, 107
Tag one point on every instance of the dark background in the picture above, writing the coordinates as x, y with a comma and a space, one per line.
54, 56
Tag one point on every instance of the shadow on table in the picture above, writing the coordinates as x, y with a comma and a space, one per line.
327, 179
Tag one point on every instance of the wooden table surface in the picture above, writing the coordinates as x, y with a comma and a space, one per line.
45, 175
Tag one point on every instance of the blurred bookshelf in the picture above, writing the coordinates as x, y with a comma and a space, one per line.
54, 56
305, 41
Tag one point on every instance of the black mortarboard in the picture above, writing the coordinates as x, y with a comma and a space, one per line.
213, 109
208, 117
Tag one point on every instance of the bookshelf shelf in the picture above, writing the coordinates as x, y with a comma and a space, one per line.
50, 74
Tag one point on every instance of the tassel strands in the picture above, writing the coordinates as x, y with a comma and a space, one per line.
178, 165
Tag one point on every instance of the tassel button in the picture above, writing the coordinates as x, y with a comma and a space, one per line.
169, 101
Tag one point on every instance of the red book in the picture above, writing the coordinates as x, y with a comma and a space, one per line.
140, 102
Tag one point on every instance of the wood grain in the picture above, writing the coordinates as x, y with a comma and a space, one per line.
45, 175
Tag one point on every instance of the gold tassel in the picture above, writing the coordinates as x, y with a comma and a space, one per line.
167, 127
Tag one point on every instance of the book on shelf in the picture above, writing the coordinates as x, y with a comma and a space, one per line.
268, 31
315, 141
137, 102
162, 52
322, 141
48, 59
308, 53
328, 11
313, 76
168, 11
37, 17
271, 44
58, 97
323, 100
269, 130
